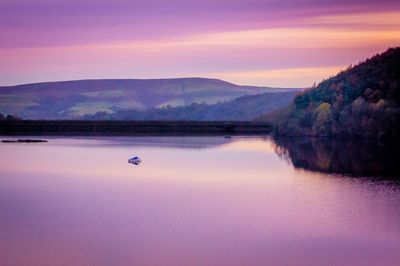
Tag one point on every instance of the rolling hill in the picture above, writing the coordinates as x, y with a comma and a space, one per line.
76, 99
244, 108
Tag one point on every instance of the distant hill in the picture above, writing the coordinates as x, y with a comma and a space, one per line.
363, 100
245, 108
74, 99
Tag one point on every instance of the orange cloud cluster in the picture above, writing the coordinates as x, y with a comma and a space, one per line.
296, 55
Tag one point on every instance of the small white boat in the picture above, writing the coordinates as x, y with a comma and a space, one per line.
135, 160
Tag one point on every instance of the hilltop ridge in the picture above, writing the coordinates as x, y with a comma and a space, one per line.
75, 99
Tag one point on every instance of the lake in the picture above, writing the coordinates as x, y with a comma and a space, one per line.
198, 201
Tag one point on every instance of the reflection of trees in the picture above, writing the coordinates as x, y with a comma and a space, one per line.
351, 157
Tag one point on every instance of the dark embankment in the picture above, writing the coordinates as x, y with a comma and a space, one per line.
82, 127
24, 141
362, 101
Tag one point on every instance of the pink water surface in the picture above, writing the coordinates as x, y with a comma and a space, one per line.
192, 201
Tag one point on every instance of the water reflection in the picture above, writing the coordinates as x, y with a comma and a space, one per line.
348, 157
194, 201
186, 142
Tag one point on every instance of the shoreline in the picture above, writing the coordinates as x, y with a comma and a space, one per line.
134, 128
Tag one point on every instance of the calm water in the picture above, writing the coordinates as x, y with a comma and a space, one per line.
193, 201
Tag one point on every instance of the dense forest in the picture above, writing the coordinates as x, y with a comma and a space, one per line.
244, 108
363, 100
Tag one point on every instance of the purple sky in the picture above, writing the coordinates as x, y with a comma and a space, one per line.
260, 42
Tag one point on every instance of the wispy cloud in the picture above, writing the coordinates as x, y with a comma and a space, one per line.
249, 42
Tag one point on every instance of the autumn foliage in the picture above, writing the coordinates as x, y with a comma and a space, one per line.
363, 100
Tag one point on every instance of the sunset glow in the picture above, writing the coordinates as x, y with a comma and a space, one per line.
246, 42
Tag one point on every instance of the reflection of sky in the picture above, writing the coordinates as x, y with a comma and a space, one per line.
235, 202
166, 153
260, 42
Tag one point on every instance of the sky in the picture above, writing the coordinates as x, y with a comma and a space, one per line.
278, 43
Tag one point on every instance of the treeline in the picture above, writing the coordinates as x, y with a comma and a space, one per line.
118, 127
244, 108
363, 100
9, 117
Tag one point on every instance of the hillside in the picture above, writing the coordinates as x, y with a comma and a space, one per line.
363, 100
74, 99
244, 108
